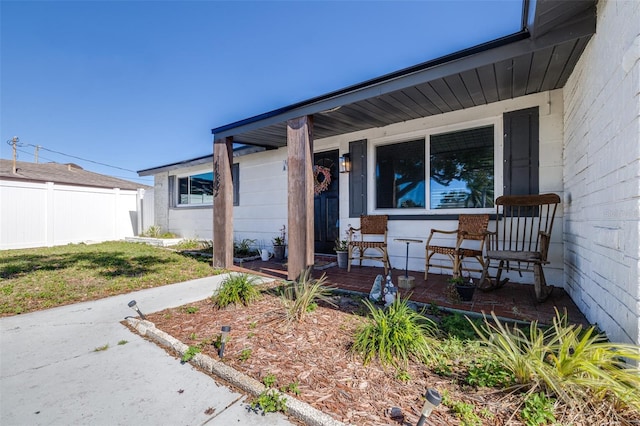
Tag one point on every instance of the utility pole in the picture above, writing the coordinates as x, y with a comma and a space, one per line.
14, 142
37, 149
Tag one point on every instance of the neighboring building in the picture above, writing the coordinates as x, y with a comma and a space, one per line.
553, 108
49, 204
183, 197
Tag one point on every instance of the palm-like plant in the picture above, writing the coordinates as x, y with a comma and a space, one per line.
572, 364
299, 297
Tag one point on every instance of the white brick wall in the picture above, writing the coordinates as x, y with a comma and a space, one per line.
602, 174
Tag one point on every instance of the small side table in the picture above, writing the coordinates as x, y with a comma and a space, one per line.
407, 282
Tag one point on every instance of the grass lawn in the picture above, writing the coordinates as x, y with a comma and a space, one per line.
34, 279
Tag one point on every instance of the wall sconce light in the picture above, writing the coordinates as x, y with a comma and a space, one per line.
224, 336
133, 305
345, 163
433, 399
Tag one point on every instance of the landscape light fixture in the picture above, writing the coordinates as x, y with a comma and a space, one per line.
133, 305
433, 399
345, 163
224, 335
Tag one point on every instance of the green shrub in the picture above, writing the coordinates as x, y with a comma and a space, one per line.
190, 353
269, 380
245, 354
572, 364
236, 289
191, 309
270, 401
300, 297
488, 371
465, 412
538, 409
394, 334
156, 232
244, 248
293, 388
457, 325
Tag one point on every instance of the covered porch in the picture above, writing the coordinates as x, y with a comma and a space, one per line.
514, 301
503, 85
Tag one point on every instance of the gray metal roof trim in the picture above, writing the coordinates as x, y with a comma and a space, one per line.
172, 166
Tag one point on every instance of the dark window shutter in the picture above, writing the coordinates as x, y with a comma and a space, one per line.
235, 177
358, 178
521, 152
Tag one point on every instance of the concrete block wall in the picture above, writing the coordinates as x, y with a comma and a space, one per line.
602, 174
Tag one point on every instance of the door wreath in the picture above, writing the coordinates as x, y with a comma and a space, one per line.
321, 179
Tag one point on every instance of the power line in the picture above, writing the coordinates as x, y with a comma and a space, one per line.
38, 147
83, 159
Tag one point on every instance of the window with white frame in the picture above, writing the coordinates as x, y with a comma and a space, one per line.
195, 189
400, 175
460, 170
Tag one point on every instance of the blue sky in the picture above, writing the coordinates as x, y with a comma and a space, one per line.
138, 84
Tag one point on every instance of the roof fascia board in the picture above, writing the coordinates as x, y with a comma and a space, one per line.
179, 165
486, 56
528, 15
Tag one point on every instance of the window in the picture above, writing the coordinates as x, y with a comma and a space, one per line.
235, 177
460, 170
461, 165
400, 175
196, 189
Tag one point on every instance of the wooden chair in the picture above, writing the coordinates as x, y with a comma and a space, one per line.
471, 227
521, 241
372, 226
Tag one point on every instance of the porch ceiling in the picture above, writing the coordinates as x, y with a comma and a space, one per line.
538, 59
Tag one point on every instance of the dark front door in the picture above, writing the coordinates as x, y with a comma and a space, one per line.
326, 201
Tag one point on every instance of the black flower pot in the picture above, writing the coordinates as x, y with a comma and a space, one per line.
278, 253
465, 292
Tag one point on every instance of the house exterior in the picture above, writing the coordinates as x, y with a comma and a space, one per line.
553, 108
50, 204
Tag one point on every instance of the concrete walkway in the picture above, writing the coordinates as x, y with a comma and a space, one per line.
50, 373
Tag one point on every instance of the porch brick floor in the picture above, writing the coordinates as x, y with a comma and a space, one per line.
514, 300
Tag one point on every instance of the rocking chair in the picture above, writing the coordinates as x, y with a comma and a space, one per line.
521, 241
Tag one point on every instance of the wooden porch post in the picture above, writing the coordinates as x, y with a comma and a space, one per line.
222, 203
300, 186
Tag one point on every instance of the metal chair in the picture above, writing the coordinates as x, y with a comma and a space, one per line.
371, 226
471, 227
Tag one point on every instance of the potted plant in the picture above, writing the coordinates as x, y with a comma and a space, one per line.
279, 245
464, 288
342, 251
244, 250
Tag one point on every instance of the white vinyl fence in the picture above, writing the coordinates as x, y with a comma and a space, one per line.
36, 214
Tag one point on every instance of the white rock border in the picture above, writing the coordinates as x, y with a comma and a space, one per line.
295, 408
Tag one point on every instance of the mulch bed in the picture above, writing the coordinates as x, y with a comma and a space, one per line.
315, 353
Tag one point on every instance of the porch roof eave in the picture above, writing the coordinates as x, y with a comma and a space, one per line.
505, 68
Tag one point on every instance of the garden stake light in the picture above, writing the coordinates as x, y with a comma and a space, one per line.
223, 339
134, 306
433, 399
